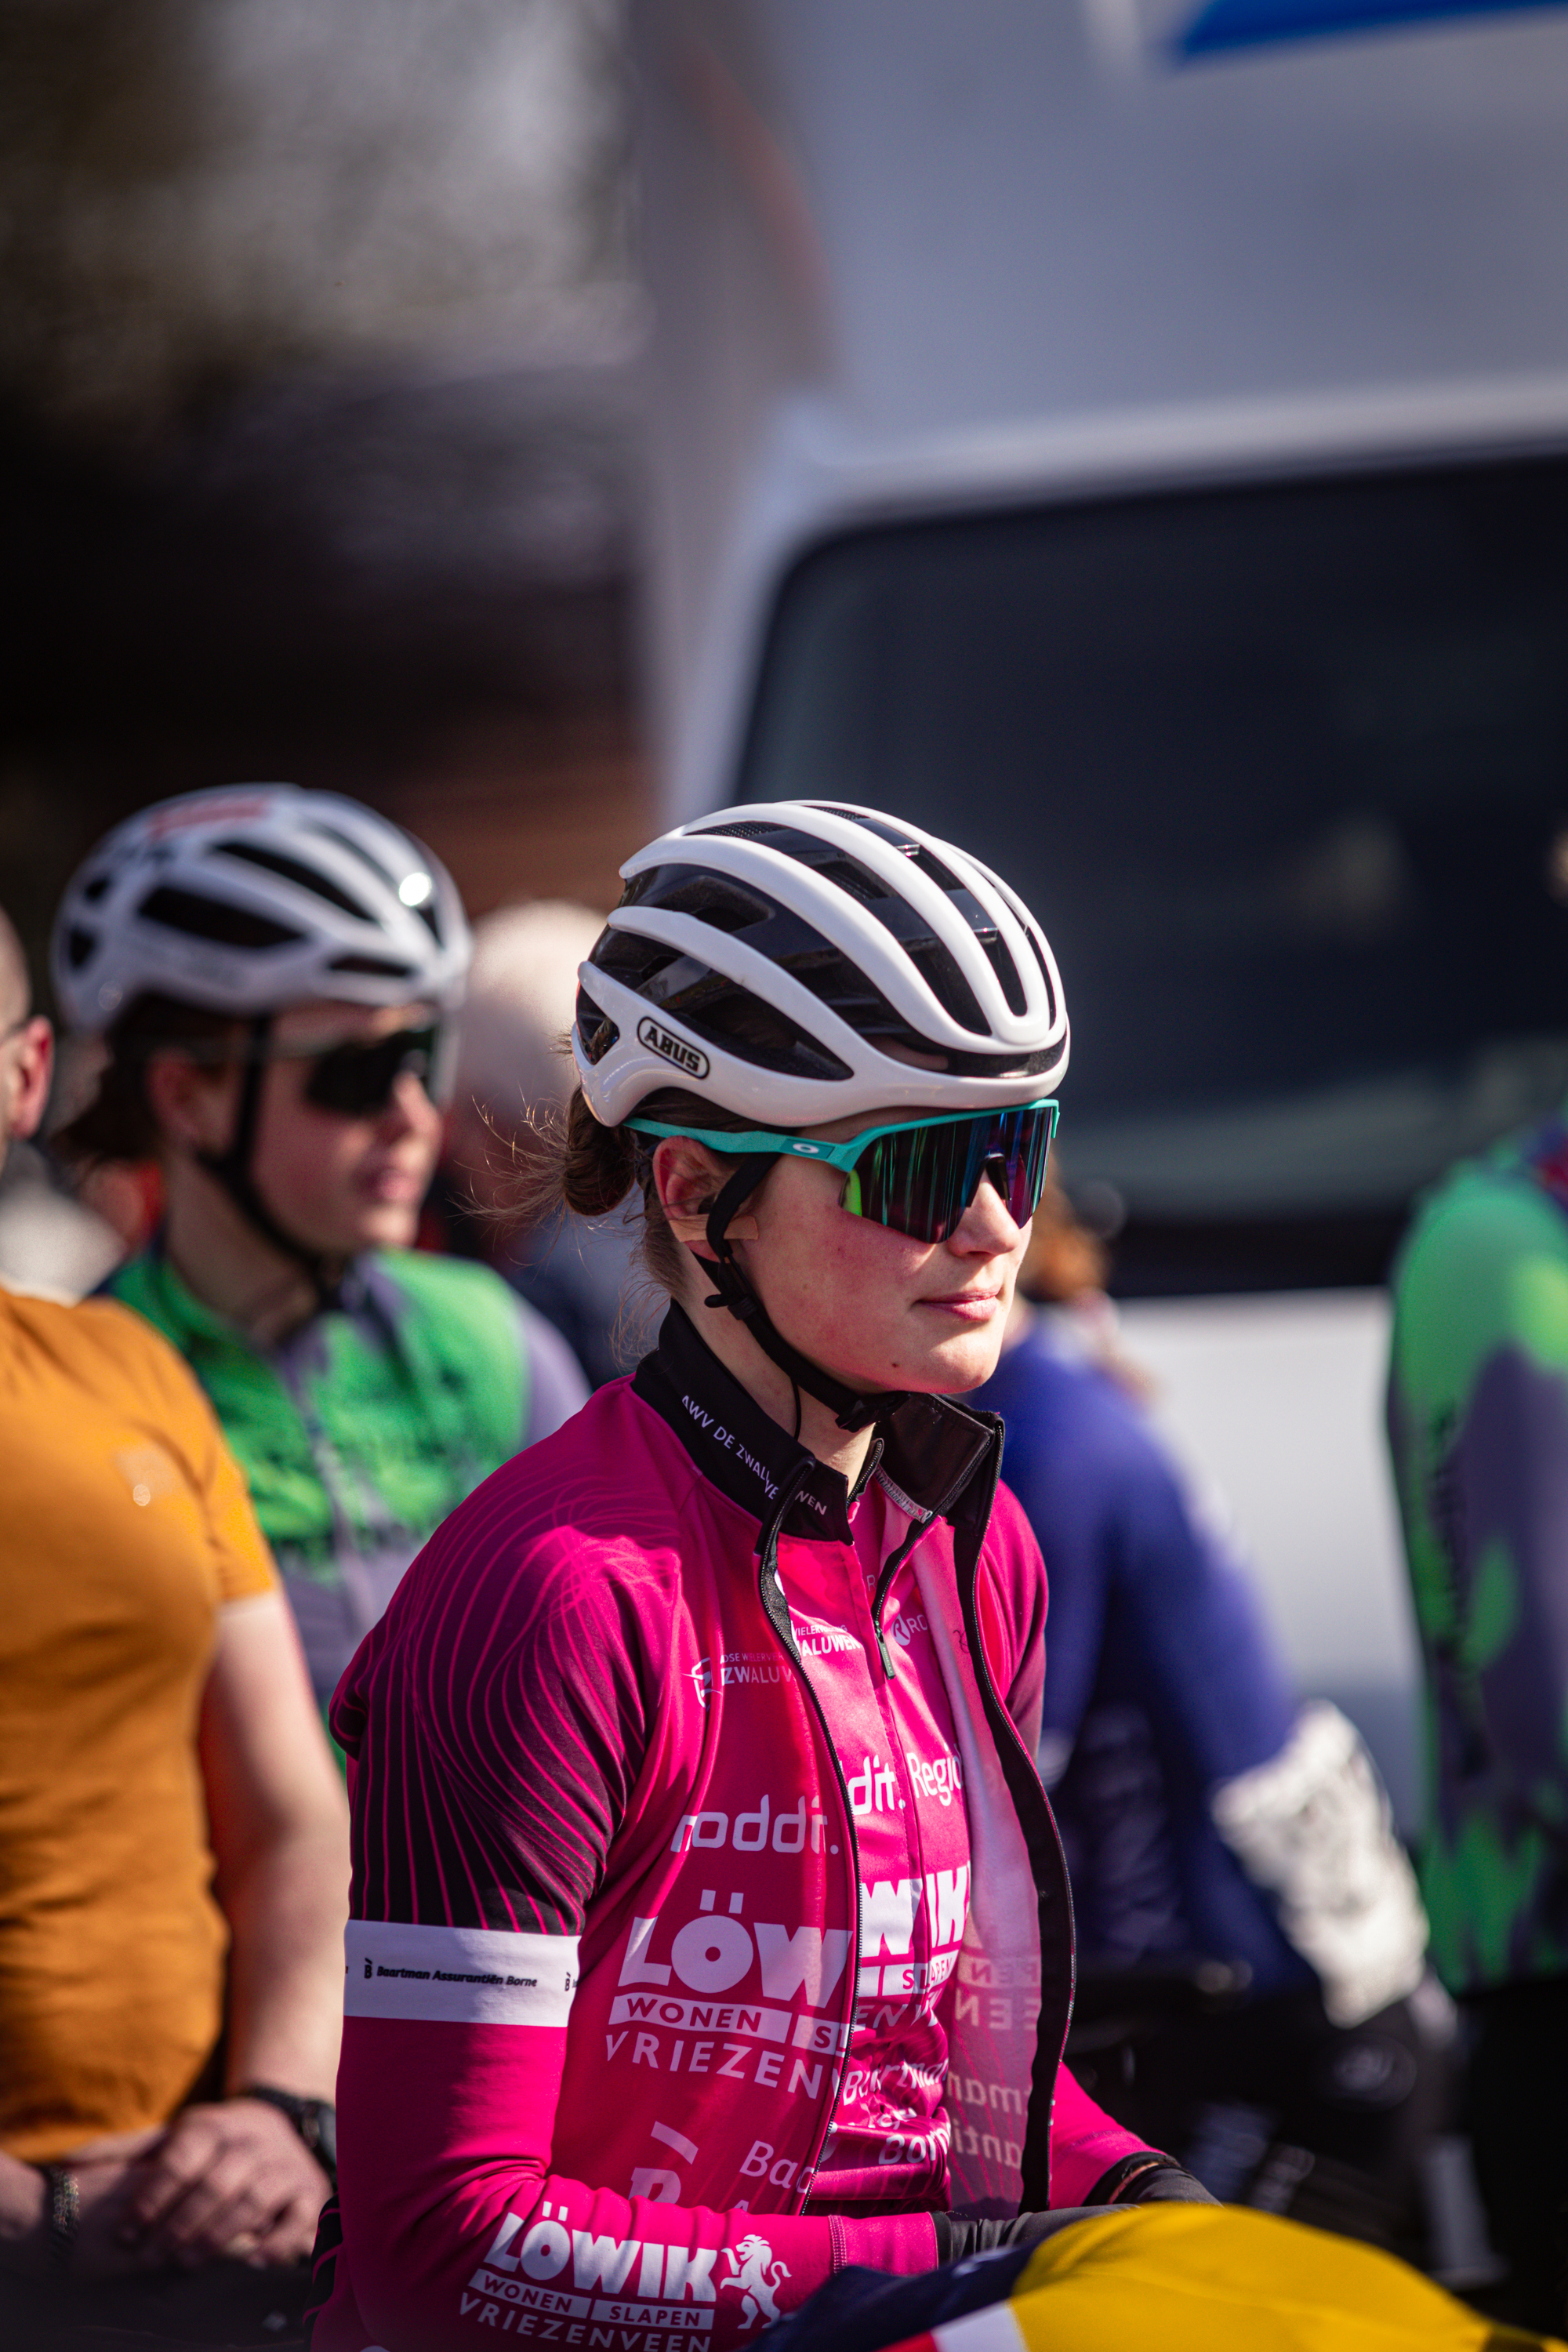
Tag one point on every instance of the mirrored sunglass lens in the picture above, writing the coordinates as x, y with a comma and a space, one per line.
921, 1180
356, 1081
905, 1181
1023, 1148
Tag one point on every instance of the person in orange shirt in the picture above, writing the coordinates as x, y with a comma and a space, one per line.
173, 1849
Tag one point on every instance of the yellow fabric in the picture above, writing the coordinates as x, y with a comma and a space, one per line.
1208, 2278
124, 1528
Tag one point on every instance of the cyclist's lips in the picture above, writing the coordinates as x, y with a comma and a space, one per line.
394, 1183
968, 1305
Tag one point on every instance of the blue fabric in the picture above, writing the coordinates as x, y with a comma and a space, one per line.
1246, 24
1161, 1675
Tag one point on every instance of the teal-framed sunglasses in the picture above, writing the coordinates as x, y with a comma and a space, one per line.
917, 1175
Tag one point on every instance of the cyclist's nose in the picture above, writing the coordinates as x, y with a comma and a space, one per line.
988, 1225
407, 1105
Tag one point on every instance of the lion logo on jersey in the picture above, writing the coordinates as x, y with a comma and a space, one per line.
755, 2275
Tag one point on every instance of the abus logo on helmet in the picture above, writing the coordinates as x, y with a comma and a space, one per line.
674, 1049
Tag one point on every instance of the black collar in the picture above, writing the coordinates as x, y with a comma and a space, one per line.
930, 1451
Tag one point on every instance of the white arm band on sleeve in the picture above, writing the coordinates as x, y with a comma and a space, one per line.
1314, 1826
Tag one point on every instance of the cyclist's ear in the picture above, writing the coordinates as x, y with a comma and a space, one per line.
688, 1178
26, 1064
193, 1103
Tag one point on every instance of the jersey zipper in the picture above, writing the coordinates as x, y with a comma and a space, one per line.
775, 1607
890, 1568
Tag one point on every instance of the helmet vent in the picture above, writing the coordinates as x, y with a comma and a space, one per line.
933, 868
936, 967
1006, 970
357, 849
93, 891
291, 869
731, 1017
596, 1029
79, 945
712, 898
918, 855
372, 967
857, 880
634, 962
824, 857
750, 831
211, 919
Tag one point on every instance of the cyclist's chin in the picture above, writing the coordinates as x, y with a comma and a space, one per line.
361, 1225
952, 1364
387, 1224
930, 1362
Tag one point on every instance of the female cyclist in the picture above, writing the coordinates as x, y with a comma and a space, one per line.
274, 974
710, 1929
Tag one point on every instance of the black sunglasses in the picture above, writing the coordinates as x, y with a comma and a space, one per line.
357, 1081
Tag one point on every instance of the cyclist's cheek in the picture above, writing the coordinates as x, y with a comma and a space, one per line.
344, 1184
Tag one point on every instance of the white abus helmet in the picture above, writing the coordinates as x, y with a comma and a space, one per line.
798, 962
252, 897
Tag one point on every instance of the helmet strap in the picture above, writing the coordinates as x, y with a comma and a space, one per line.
853, 1411
231, 1166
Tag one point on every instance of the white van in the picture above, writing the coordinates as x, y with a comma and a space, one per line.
1137, 445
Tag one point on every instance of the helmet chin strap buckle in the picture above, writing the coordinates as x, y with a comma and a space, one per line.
744, 1309
852, 1409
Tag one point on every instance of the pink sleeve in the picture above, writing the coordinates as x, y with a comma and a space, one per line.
452, 2218
1085, 2142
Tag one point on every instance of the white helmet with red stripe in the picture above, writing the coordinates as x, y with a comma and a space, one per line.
256, 896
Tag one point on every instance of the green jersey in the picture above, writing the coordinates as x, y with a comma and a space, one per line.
1477, 1418
368, 1424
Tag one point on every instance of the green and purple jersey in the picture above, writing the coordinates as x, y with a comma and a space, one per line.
1478, 1421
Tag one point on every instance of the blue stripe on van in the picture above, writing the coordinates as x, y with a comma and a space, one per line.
1248, 23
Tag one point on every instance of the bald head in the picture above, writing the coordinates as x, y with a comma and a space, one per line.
16, 991
512, 1065
522, 992
27, 1047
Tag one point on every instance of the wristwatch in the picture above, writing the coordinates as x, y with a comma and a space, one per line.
315, 2120
64, 2212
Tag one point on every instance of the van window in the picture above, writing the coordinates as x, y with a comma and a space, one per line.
1284, 772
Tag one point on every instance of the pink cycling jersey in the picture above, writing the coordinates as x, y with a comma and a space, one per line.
629, 1919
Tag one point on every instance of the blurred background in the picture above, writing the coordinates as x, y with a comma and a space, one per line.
1129, 437
1128, 440
318, 329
